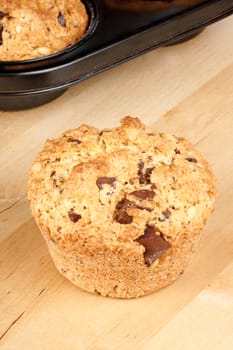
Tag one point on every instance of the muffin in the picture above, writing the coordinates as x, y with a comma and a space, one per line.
149, 5
120, 209
36, 28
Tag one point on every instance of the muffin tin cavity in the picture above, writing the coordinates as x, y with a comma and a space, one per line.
112, 37
56, 40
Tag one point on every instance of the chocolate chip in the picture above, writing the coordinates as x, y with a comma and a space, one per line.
3, 14
166, 215
154, 243
177, 151
61, 19
140, 171
192, 160
74, 217
122, 216
144, 194
105, 180
71, 139
148, 173
1, 31
153, 187
144, 177
123, 204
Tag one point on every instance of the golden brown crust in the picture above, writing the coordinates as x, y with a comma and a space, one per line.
36, 28
106, 199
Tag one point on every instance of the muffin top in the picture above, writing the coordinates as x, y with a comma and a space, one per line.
112, 188
36, 28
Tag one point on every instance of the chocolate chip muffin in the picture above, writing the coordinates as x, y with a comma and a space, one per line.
121, 209
36, 28
149, 5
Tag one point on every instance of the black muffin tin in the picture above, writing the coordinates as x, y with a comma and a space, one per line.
113, 37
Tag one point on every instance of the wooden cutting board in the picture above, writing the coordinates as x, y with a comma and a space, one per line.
185, 89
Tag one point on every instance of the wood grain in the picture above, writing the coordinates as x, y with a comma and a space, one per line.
185, 89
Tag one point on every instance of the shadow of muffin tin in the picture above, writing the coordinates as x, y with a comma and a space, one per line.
113, 37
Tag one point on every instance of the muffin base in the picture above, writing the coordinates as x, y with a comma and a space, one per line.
123, 279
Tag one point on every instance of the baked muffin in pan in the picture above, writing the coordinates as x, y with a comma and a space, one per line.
38, 28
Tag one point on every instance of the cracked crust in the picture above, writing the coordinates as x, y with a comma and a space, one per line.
120, 209
37, 28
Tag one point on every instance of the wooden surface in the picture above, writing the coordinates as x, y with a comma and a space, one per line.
185, 89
